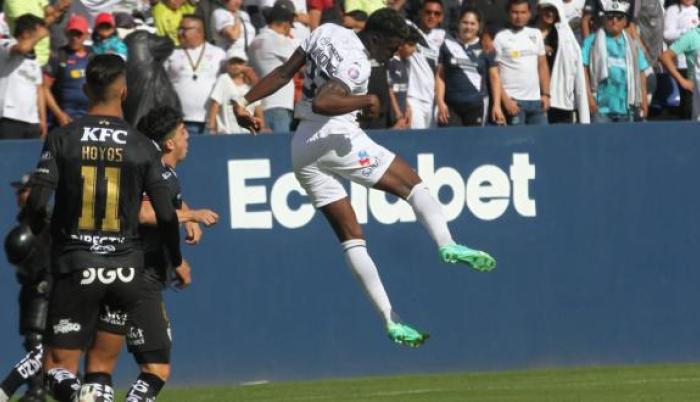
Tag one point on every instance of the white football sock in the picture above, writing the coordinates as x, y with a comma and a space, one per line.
366, 272
3, 396
429, 214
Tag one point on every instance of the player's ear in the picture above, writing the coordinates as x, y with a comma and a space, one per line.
169, 145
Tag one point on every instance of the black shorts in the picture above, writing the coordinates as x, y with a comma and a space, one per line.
146, 328
77, 297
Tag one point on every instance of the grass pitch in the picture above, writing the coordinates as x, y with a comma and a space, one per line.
672, 383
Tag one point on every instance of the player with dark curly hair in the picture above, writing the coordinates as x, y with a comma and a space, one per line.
329, 145
164, 125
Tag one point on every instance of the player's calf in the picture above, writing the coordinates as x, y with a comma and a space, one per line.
28, 367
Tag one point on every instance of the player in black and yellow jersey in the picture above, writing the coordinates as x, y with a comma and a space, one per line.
99, 168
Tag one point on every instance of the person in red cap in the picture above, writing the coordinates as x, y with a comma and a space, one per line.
64, 75
105, 38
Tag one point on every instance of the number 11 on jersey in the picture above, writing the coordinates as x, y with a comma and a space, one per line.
110, 221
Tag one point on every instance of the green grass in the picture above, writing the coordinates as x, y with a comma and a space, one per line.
673, 383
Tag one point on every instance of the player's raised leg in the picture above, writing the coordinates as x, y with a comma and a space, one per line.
401, 180
341, 217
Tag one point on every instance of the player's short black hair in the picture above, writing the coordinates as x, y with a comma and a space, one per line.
159, 123
27, 23
387, 22
426, 2
512, 3
358, 15
235, 61
101, 72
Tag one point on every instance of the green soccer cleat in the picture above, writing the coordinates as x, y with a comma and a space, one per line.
405, 335
477, 260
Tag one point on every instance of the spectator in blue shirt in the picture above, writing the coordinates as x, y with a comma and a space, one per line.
462, 74
615, 66
105, 39
64, 75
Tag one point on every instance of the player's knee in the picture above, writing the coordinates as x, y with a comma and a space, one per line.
160, 370
68, 359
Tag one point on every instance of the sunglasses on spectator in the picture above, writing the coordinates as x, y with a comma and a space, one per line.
435, 13
615, 16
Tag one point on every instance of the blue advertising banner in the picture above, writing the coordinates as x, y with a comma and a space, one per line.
594, 229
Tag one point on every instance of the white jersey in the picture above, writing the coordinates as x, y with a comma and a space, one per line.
423, 64
333, 52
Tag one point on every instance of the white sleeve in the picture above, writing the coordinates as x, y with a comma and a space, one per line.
497, 48
223, 19
540, 44
218, 92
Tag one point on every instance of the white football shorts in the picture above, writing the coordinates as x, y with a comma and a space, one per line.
323, 153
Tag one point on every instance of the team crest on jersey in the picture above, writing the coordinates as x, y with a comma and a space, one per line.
364, 158
354, 71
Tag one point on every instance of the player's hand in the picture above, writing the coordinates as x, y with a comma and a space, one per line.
512, 107
184, 275
592, 105
193, 233
371, 111
207, 217
545, 103
245, 119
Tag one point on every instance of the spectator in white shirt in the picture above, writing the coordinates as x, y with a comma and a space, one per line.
679, 19
270, 49
234, 30
423, 65
193, 69
229, 86
522, 71
22, 109
300, 28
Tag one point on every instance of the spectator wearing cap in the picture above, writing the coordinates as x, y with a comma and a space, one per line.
64, 75
269, 50
22, 106
300, 27
235, 82
234, 29
193, 68
522, 71
615, 65
167, 15
568, 77
105, 39
49, 11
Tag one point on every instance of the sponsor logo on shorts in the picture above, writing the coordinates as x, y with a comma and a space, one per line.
113, 317
65, 326
134, 336
368, 163
107, 276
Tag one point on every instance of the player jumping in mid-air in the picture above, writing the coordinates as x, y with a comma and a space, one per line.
329, 145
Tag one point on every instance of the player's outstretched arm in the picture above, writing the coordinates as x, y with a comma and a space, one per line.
268, 85
207, 217
334, 98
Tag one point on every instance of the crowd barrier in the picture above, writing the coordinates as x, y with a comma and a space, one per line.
595, 230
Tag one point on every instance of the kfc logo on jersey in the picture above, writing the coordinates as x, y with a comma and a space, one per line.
101, 134
64, 326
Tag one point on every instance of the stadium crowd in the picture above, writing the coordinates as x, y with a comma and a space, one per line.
467, 62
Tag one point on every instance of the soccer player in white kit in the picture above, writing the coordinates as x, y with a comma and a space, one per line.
329, 146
